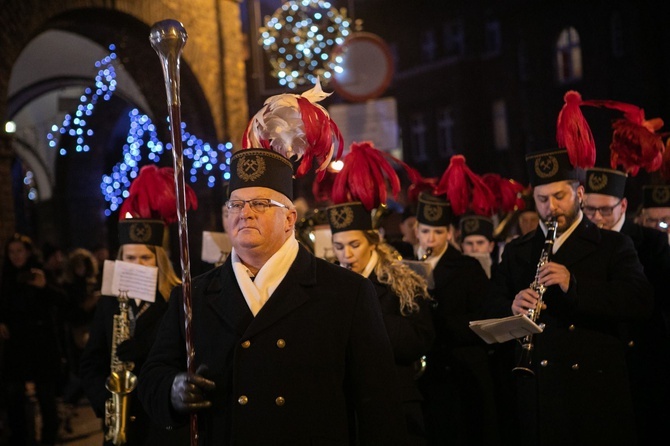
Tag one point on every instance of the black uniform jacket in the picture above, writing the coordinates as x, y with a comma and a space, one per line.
581, 378
411, 336
292, 374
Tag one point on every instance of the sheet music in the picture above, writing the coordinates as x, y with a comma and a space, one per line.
140, 281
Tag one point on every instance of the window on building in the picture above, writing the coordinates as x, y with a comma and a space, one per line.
500, 133
428, 46
454, 39
492, 41
616, 29
568, 56
418, 131
445, 132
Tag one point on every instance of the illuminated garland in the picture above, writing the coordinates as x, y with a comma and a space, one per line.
299, 38
206, 160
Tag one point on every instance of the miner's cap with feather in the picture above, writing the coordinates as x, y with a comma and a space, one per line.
150, 206
459, 190
362, 186
288, 129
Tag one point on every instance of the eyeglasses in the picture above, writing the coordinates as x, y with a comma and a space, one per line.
605, 211
258, 205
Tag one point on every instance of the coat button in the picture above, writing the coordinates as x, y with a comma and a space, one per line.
279, 401
281, 343
575, 367
242, 400
246, 344
544, 363
571, 327
631, 343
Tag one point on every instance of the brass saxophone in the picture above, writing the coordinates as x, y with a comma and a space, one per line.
524, 366
121, 381
428, 253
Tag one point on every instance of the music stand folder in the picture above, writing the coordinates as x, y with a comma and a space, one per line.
504, 329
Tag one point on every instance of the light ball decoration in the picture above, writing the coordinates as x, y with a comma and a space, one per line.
299, 38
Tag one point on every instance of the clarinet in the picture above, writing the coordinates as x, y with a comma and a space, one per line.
524, 366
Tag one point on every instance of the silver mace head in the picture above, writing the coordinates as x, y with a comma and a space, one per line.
168, 38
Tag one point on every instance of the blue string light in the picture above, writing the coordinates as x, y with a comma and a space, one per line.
211, 162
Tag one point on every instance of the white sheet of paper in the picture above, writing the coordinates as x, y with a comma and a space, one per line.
504, 329
323, 243
216, 246
140, 281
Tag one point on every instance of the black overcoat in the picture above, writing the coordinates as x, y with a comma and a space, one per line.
411, 337
292, 374
580, 394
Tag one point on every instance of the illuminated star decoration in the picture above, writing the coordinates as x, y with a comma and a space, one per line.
210, 161
299, 38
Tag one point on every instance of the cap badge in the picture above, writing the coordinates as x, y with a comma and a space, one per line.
660, 195
546, 166
470, 225
251, 168
597, 181
432, 212
140, 232
341, 217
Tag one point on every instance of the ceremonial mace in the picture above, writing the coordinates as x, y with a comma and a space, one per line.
168, 38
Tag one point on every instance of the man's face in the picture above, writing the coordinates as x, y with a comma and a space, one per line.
434, 237
559, 200
595, 205
261, 233
474, 244
528, 221
657, 218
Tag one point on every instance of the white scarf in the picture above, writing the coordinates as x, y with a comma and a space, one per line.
256, 292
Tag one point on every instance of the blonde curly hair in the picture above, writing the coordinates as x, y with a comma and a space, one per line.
406, 283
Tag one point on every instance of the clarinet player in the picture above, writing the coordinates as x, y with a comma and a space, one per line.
579, 391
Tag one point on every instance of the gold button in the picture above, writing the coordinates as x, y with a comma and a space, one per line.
246, 344
544, 363
281, 343
243, 400
571, 328
631, 343
279, 401
575, 367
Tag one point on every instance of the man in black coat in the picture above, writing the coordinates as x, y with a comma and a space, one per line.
289, 349
648, 341
579, 393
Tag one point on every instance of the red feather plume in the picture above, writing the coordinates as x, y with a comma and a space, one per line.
465, 190
573, 132
665, 165
153, 195
507, 192
366, 174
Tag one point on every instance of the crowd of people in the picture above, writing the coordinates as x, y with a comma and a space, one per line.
278, 346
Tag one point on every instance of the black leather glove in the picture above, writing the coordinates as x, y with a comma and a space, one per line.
188, 391
130, 350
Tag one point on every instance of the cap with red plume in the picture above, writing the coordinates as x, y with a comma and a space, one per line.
298, 128
151, 205
635, 143
464, 189
507, 192
361, 186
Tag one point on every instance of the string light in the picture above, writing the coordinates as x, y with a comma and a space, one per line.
209, 161
299, 38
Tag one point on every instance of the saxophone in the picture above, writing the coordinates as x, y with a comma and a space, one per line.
121, 381
525, 361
